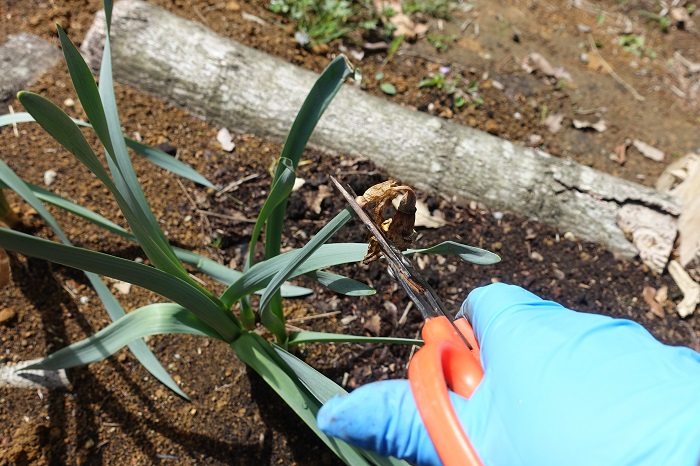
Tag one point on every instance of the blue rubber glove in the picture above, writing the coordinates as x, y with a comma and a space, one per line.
560, 387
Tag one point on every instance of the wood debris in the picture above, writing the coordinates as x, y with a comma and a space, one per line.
682, 179
689, 287
648, 151
651, 232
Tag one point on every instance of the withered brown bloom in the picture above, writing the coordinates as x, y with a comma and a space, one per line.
399, 228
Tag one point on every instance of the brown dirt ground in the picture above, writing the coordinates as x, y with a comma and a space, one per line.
116, 413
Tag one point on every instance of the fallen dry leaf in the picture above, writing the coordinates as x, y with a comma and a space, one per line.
122, 287
535, 61
322, 193
648, 151
373, 324
553, 122
599, 125
425, 219
405, 26
225, 139
662, 295
649, 295
621, 152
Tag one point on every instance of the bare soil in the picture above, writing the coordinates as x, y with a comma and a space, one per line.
116, 413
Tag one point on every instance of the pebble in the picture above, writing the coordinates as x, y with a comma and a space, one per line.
49, 177
534, 255
569, 236
492, 126
7, 316
233, 6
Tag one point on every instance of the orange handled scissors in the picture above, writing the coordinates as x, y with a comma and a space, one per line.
449, 358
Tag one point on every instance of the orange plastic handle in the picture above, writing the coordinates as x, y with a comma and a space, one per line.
444, 363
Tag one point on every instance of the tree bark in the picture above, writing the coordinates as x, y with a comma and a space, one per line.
248, 91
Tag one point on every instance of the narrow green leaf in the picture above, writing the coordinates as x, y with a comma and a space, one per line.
259, 276
66, 132
339, 284
309, 248
167, 162
105, 121
297, 338
154, 319
153, 155
281, 187
257, 353
315, 104
142, 275
19, 117
323, 389
115, 311
218, 272
466, 253
86, 88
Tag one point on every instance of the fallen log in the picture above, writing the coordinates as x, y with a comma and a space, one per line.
23, 58
248, 91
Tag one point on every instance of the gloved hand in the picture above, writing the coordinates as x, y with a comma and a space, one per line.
560, 387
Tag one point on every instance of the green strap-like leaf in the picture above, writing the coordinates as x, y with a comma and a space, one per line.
154, 319
142, 275
343, 285
168, 162
257, 353
297, 338
281, 187
152, 154
270, 319
100, 107
315, 104
323, 389
260, 274
466, 253
66, 132
115, 311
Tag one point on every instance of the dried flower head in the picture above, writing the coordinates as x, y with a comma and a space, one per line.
399, 228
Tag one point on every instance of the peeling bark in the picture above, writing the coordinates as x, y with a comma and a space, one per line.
240, 88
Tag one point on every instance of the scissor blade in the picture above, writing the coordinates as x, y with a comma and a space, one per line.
418, 289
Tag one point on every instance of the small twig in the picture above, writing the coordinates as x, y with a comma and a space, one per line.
201, 16
187, 195
14, 124
227, 217
503, 63
609, 69
235, 184
413, 349
402, 319
312, 317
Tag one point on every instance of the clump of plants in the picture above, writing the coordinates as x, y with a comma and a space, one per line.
189, 307
460, 91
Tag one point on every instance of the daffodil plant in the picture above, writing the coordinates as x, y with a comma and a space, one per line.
190, 307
